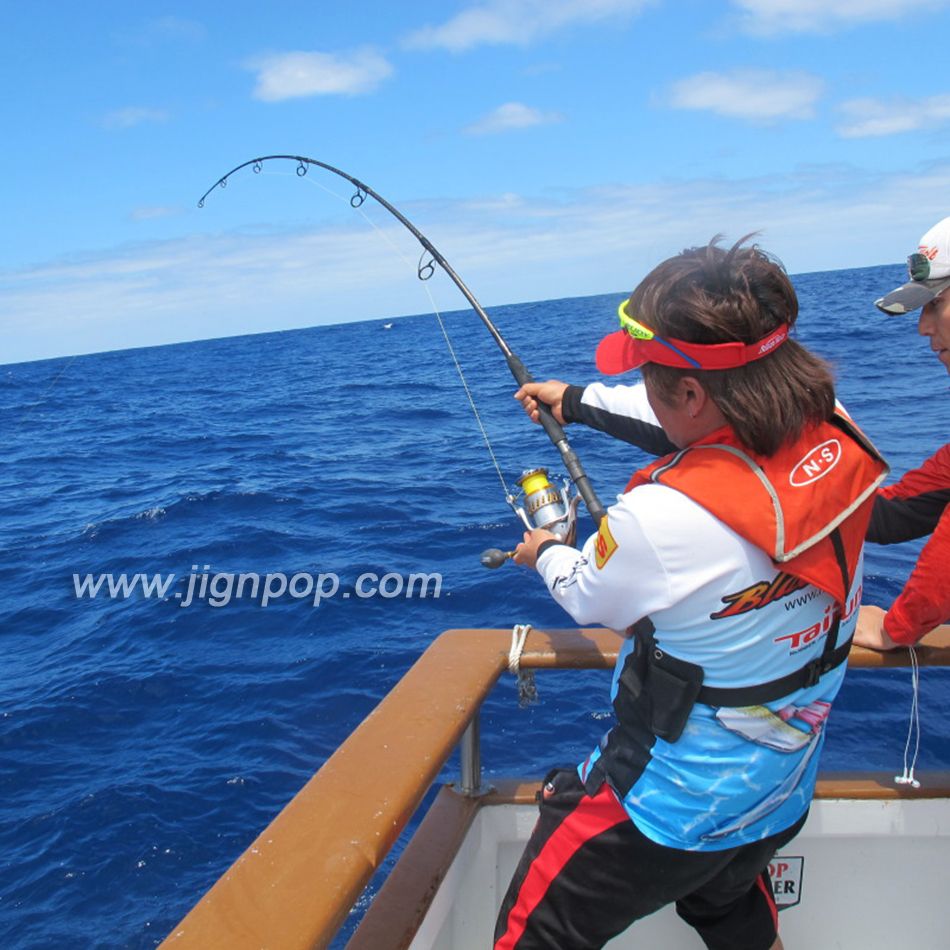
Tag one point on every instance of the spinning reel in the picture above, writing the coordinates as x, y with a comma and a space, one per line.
539, 504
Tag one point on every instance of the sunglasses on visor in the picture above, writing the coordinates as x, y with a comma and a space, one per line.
649, 347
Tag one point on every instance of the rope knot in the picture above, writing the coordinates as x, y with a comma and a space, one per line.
527, 689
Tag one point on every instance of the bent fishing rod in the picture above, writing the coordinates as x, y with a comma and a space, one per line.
542, 500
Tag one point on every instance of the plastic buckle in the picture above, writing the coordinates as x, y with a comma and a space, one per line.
813, 673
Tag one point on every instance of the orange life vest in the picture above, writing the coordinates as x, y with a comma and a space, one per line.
788, 504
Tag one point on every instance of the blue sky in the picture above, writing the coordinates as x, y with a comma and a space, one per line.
548, 148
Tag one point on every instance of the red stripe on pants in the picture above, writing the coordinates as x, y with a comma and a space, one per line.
591, 817
769, 899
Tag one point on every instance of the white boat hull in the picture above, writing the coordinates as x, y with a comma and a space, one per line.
872, 877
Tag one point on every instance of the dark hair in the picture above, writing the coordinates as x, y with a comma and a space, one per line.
710, 295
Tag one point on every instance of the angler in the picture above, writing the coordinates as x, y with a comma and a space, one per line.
711, 764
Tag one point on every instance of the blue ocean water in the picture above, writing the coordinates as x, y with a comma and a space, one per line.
145, 743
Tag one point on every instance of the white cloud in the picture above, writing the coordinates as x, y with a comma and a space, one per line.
150, 213
512, 115
813, 16
591, 241
131, 116
193, 288
755, 94
177, 28
873, 117
507, 201
518, 22
297, 74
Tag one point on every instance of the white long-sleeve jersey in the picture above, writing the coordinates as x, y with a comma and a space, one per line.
718, 601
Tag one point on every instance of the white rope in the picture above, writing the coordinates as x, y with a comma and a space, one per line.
527, 689
519, 634
913, 728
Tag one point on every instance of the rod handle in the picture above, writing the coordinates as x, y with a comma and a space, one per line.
558, 436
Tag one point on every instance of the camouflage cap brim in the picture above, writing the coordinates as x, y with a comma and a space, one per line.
911, 296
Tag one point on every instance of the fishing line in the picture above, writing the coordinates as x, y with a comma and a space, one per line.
33, 406
438, 315
544, 505
508, 494
434, 307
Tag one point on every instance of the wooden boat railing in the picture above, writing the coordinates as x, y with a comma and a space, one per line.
295, 884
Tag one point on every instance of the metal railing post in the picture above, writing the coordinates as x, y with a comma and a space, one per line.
471, 759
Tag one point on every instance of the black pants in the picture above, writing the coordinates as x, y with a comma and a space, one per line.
588, 873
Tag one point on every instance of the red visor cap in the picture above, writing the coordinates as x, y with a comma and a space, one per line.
619, 352
616, 353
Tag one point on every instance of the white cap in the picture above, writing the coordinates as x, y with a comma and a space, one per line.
929, 269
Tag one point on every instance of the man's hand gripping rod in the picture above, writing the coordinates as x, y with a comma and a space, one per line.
558, 436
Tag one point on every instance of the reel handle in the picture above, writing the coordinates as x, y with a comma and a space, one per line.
495, 557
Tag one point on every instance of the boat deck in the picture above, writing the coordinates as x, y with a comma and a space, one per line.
846, 881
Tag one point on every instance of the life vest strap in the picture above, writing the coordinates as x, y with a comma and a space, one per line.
761, 693
651, 656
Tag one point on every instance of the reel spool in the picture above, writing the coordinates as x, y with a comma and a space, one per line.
543, 505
